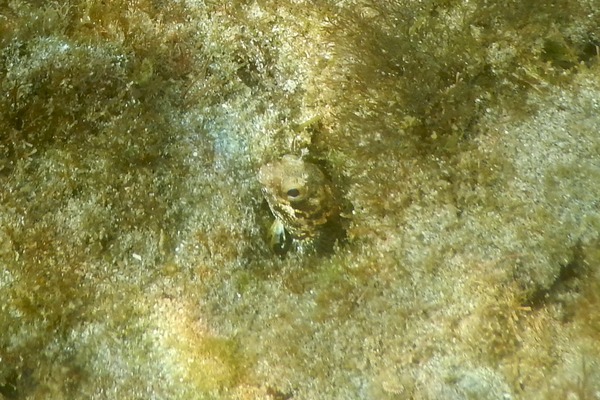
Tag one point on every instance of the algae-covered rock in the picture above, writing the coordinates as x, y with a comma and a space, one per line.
461, 140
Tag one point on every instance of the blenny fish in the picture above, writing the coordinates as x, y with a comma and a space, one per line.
302, 199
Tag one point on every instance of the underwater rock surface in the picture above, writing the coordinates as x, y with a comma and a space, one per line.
463, 137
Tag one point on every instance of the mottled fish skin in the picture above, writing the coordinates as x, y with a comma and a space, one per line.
299, 195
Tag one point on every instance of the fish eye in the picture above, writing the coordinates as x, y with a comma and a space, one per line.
293, 193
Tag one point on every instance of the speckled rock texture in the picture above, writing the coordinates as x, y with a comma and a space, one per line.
460, 141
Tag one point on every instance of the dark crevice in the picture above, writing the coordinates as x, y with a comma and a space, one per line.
568, 280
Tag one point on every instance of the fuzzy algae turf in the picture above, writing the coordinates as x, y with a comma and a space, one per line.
464, 136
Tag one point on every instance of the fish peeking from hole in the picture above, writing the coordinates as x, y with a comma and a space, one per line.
304, 203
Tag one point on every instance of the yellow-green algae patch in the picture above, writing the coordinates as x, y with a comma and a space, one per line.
196, 358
